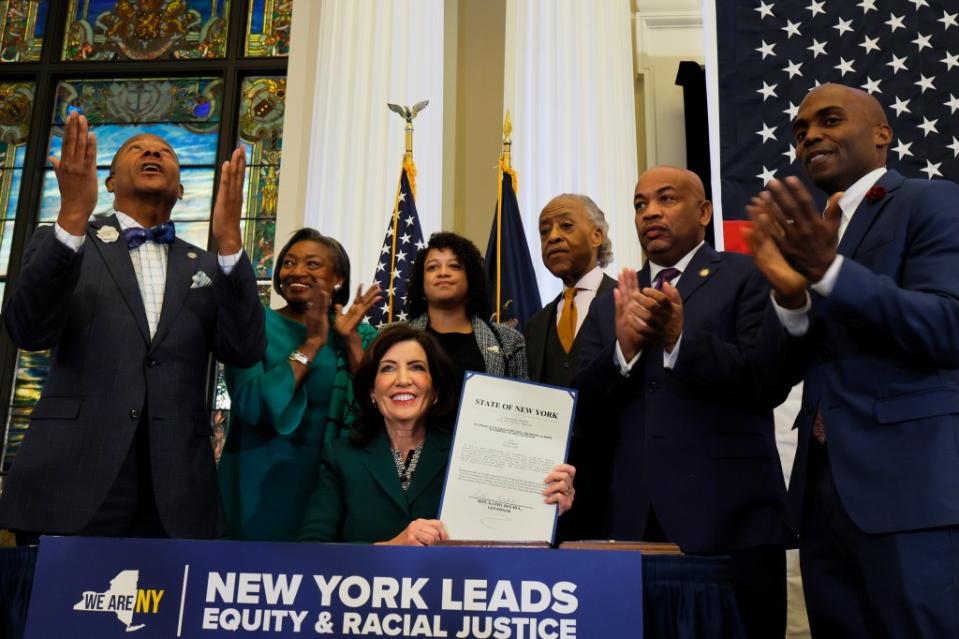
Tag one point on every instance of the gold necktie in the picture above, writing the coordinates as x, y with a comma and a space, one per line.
567, 321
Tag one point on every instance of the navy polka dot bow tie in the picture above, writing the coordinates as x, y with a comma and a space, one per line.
161, 233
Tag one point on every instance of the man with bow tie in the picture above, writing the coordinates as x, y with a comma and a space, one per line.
119, 442
674, 360
868, 297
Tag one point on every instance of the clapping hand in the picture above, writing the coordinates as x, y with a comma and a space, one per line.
229, 204
76, 172
316, 317
806, 238
661, 313
629, 328
346, 321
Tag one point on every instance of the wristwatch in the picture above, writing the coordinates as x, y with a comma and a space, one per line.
297, 356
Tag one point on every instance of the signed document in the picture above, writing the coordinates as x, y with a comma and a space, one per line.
509, 435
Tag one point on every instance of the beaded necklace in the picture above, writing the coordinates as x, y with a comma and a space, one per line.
406, 466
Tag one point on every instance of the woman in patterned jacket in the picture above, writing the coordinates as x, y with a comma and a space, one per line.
449, 298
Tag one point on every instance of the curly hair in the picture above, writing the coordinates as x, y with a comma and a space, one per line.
341, 261
368, 422
477, 286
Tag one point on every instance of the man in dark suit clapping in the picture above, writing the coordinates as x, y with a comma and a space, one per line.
119, 442
676, 360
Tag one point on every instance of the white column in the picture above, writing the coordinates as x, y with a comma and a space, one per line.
569, 85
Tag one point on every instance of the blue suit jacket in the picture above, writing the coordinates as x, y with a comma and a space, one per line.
106, 373
881, 361
698, 441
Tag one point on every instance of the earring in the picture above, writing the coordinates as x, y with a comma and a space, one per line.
336, 287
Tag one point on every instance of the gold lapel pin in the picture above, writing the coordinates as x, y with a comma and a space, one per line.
192, 255
703, 272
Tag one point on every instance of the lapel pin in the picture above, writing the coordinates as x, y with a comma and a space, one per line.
107, 234
703, 272
191, 255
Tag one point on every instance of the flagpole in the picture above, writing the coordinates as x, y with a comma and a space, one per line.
408, 113
395, 232
504, 165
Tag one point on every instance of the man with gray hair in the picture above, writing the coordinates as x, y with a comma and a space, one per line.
575, 247
573, 237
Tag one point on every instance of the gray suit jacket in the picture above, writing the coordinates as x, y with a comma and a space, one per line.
509, 350
106, 373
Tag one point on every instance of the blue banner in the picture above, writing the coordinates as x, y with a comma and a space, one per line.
94, 587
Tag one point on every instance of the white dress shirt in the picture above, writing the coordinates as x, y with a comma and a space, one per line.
149, 264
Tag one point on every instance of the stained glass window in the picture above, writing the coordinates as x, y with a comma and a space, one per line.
16, 106
184, 111
268, 28
145, 29
261, 132
21, 29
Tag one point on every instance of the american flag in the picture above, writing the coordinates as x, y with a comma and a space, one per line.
772, 52
403, 239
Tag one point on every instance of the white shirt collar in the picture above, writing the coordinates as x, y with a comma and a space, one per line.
681, 265
853, 196
126, 222
590, 281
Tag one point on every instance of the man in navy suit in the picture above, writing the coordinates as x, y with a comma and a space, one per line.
574, 238
119, 442
869, 297
676, 358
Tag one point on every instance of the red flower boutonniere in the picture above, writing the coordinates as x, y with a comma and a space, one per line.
875, 194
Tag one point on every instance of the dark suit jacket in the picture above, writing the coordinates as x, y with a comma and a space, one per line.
590, 456
537, 329
697, 442
881, 361
106, 373
359, 497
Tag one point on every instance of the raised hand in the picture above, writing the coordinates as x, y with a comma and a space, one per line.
559, 487
808, 240
229, 204
76, 172
629, 327
346, 322
789, 286
316, 317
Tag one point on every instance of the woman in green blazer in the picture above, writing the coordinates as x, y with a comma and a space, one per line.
383, 484
292, 404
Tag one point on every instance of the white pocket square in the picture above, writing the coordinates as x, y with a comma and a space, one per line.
201, 280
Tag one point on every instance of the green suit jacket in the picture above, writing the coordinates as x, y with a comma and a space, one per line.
359, 497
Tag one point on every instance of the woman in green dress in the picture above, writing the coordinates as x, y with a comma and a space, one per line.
383, 484
286, 409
